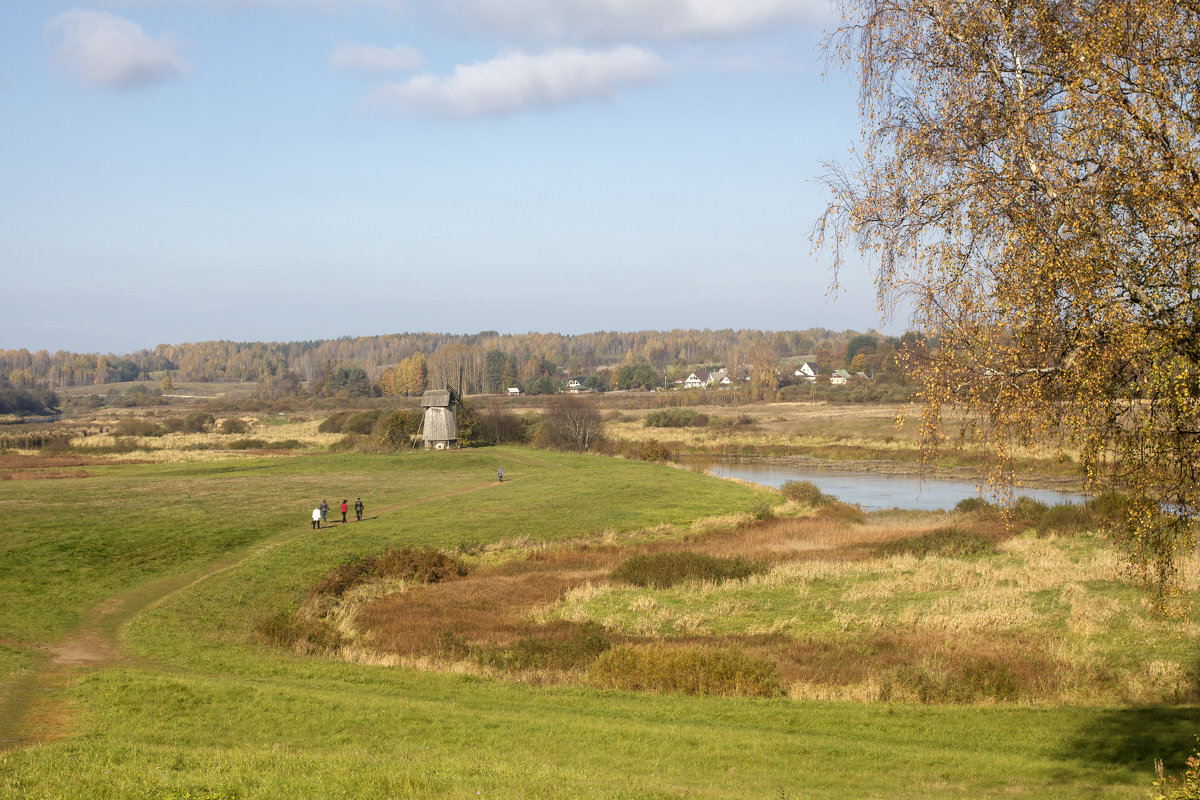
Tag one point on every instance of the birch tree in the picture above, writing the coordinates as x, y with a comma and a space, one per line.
1029, 180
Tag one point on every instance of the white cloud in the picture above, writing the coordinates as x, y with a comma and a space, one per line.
614, 19
102, 49
372, 58
518, 81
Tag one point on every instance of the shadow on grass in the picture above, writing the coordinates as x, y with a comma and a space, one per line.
1135, 737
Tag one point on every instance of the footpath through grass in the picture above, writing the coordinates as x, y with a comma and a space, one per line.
203, 711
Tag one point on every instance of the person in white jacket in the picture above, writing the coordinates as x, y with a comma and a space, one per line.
316, 518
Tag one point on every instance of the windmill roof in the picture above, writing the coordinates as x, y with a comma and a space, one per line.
436, 397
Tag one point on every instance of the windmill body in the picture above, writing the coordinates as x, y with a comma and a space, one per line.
440, 428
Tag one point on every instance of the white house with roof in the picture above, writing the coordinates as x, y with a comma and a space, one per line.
703, 380
839, 377
807, 371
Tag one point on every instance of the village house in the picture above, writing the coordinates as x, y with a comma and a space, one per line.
807, 371
703, 380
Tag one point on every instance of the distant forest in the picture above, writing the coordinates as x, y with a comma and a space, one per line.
487, 361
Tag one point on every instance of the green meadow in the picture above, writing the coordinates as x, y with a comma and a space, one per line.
130, 666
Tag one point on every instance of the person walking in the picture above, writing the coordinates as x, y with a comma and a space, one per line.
358, 509
500, 474
344, 508
316, 519
324, 510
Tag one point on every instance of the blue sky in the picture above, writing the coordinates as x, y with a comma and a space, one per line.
181, 170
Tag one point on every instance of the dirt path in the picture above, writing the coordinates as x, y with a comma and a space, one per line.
31, 710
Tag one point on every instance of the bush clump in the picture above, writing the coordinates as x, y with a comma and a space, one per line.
653, 450
971, 504
1067, 518
333, 423
662, 570
233, 425
697, 671
137, 426
948, 542
975, 680
1113, 507
288, 629
676, 418
1183, 787
397, 429
580, 646
198, 422
356, 422
247, 444
427, 565
1028, 508
805, 492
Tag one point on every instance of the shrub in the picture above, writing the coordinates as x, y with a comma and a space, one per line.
233, 425
247, 444
580, 647
696, 671
970, 504
805, 492
397, 428
763, 511
334, 422
198, 422
662, 570
427, 565
675, 418
570, 423
360, 422
136, 426
653, 450
1184, 787
1112, 506
975, 680
1028, 508
1067, 518
836, 509
948, 542
498, 425
288, 629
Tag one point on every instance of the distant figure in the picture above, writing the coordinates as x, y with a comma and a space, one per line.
344, 507
500, 474
317, 518
324, 510
358, 509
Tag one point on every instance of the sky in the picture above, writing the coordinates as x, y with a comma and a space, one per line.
185, 170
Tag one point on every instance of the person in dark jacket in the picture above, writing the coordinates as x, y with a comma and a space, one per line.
324, 510
358, 509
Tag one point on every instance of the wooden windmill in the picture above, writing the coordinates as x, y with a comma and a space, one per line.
439, 429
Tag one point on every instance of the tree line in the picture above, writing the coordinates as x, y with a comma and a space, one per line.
488, 362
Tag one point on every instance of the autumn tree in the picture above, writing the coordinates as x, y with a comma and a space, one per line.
409, 377
1030, 180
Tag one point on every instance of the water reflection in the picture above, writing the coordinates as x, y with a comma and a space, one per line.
873, 490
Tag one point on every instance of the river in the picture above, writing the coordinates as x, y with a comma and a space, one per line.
873, 490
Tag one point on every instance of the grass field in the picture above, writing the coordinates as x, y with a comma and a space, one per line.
130, 600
